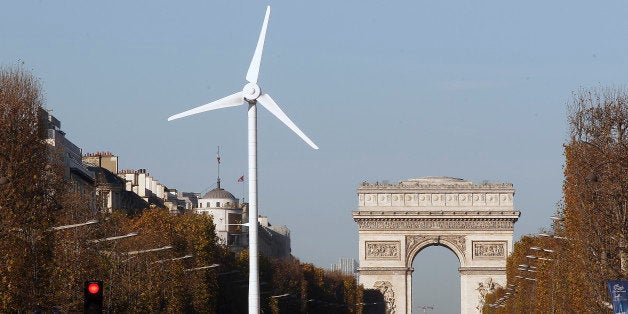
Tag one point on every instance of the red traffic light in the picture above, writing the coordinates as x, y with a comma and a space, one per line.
93, 296
93, 288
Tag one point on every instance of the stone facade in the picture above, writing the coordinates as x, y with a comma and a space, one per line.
395, 222
226, 213
76, 173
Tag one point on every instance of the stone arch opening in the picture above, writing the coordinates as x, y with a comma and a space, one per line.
416, 244
435, 280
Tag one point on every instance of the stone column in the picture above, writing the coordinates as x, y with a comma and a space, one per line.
393, 283
475, 283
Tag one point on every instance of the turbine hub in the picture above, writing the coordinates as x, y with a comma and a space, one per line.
251, 91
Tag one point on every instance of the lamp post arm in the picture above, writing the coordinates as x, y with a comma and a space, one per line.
90, 222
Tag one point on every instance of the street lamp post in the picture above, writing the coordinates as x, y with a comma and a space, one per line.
174, 259
547, 235
543, 250
167, 247
557, 218
201, 268
532, 269
534, 257
528, 268
90, 222
537, 248
128, 235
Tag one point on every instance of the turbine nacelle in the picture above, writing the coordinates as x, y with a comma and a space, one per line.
251, 92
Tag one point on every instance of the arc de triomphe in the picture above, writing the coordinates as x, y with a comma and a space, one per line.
396, 221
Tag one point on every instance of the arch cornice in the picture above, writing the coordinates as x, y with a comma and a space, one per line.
415, 243
433, 223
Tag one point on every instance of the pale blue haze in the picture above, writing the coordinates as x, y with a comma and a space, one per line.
389, 90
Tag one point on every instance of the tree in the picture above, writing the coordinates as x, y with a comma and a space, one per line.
172, 280
305, 288
30, 200
589, 246
596, 194
75, 258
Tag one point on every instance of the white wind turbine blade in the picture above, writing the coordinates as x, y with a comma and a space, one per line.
253, 72
229, 101
272, 106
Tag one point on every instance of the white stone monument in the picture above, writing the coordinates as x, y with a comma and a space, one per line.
395, 222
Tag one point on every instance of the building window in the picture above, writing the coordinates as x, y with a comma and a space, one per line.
233, 239
217, 204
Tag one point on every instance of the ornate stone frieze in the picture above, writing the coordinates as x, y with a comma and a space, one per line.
435, 199
435, 192
434, 224
439, 213
457, 241
386, 288
436, 184
489, 249
412, 241
382, 249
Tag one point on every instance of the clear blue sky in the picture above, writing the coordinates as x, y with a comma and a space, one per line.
389, 90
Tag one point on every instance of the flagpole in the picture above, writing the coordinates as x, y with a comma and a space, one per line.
218, 160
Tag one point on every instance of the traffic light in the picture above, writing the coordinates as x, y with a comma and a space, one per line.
92, 291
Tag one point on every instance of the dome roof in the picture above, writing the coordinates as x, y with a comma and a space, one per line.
219, 193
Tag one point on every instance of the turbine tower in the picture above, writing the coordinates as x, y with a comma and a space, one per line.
252, 94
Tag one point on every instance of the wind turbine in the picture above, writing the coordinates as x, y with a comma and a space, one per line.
252, 94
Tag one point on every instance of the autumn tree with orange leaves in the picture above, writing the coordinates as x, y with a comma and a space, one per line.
30, 195
590, 245
596, 194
